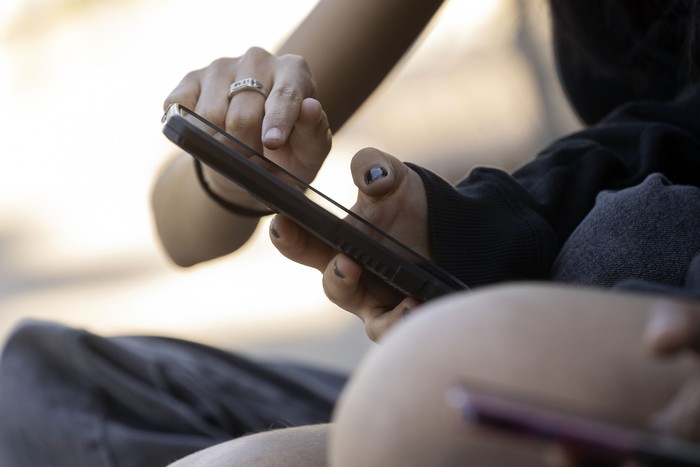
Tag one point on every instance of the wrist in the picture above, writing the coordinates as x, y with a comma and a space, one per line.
233, 199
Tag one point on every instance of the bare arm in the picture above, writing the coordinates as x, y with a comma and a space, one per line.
351, 46
348, 47
192, 227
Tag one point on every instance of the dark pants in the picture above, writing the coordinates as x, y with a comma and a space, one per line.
71, 398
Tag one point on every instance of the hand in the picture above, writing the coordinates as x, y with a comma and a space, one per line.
289, 126
674, 328
392, 197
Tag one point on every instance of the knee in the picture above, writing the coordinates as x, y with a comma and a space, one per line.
576, 346
394, 410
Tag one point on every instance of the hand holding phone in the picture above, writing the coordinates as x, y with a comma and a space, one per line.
596, 441
398, 266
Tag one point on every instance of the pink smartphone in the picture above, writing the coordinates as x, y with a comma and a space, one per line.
597, 442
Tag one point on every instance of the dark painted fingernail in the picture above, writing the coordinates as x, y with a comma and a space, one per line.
273, 230
406, 313
375, 173
336, 271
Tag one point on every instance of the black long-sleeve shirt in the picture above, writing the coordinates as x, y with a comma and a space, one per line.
495, 227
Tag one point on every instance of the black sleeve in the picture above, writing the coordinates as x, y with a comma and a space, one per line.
495, 227
485, 230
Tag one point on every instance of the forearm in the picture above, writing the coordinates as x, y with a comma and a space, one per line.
351, 46
192, 227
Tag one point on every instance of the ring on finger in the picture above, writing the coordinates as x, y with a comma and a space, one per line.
247, 84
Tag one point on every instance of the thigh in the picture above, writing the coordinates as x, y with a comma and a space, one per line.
304, 446
578, 347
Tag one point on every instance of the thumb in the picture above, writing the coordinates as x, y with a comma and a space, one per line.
377, 174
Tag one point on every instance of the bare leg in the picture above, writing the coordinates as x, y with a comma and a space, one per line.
290, 447
577, 346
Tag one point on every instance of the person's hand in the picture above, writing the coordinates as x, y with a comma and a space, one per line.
674, 328
288, 126
392, 197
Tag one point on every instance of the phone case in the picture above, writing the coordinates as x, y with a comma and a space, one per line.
396, 264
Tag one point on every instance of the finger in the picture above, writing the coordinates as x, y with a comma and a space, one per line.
341, 284
351, 288
310, 140
185, 93
377, 174
215, 80
246, 108
378, 325
673, 326
679, 417
292, 84
298, 245
392, 197
244, 117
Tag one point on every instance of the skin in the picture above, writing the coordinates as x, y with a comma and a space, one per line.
194, 229
396, 203
600, 365
291, 447
408, 378
330, 31
291, 128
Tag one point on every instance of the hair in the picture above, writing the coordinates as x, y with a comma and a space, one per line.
648, 48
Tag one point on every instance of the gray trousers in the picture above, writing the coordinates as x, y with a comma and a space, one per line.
71, 398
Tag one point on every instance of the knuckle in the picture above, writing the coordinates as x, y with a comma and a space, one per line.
255, 54
288, 93
220, 64
296, 61
298, 67
192, 76
258, 52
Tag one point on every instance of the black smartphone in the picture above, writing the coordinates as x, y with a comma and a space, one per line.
406, 271
595, 440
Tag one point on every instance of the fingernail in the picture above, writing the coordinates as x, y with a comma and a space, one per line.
375, 173
273, 230
336, 271
273, 134
406, 313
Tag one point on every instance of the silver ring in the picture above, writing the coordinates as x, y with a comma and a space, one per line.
247, 84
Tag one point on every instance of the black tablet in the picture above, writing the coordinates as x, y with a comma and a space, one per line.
396, 264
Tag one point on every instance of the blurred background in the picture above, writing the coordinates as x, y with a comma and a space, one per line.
81, 89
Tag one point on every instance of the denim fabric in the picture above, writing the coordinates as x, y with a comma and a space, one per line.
71, 398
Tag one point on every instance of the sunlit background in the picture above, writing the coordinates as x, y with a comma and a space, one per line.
81, 88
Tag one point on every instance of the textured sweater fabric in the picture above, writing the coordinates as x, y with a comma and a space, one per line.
495, 227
